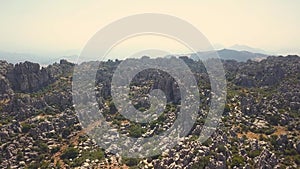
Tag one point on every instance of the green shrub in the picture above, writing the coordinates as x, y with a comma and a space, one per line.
26, 127
273, 140
244, 128
20, 156
34, 165
55, 149
290, 152
226, 108
287, 161
131, 161
91, 155
70, 153
237, 161
44, 164
65, 133
202, 163
136, 131
43, 147
234, 149
254, 153
207, 143
270, 131
273, 119
221, 148
297, 159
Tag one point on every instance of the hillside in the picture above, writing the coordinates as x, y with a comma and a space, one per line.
260, 126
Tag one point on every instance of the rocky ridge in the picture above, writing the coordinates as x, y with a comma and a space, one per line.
259, 128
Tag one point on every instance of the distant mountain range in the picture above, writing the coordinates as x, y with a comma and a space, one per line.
249, 49
43, 60
228, 54
225, 54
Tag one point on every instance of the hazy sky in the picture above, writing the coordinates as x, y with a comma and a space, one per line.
64, 27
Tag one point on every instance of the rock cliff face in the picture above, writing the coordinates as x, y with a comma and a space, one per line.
30, 77
5, 88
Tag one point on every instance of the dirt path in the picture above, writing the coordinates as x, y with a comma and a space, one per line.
75, 141
72, 141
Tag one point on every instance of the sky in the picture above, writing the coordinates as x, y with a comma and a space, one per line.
56, 28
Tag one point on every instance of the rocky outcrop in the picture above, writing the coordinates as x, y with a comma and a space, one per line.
5, 88
268, 72
266, 159
38, 123
30, 77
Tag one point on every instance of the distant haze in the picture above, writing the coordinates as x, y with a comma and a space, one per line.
53, 29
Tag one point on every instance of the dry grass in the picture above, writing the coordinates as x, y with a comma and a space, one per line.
250, 135
280, 131
4, 101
